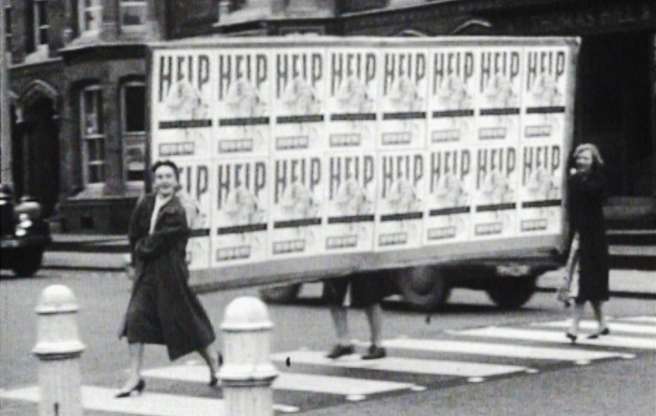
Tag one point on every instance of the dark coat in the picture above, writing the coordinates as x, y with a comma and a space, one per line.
586, 198
162, 308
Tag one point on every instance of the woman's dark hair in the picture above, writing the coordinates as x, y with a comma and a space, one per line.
168, 163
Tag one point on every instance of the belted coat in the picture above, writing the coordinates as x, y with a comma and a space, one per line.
162, 307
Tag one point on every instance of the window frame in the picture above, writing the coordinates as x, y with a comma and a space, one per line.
132, 3
86, 138
9, 33
127, 135
38, 26
81, 12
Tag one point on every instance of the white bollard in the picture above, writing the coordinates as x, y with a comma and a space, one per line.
247, 372
58, 349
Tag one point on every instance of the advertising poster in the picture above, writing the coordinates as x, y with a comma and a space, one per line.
244, 102
241, 211
350, 202
298, 205
196, 198
404, 98
401, 200
182, 114
545, 83
499, 93
541, 190
450, 180
495, 199
351, 99
299, 101
453, 89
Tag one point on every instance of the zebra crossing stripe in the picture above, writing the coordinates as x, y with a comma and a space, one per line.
346, 386
614, 341
498, 350
645, 319
614, 326
148, 403
401, 365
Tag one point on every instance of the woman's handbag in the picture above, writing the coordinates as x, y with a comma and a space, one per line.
569, 287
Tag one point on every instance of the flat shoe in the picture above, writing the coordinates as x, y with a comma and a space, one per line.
375, 352
339, 351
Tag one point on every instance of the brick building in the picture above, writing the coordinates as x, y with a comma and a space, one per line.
78, 74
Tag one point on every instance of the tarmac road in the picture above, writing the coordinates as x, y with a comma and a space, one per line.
605, 386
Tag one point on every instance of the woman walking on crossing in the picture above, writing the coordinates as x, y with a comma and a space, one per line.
589, 249
162, 308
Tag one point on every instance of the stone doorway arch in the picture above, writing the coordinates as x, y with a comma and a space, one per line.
37, 133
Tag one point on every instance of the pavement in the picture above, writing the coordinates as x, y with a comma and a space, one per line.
109, 252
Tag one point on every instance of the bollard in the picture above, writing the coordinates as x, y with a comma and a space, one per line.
247, 372
58, 349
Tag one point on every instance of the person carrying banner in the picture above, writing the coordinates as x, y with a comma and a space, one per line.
586, 189
365, 291
162, 308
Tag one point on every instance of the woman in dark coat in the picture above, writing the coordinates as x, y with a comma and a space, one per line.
162, 309
586, 190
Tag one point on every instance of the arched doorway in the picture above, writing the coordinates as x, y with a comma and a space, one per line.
39, 141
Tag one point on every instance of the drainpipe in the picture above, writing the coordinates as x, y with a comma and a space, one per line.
5, 121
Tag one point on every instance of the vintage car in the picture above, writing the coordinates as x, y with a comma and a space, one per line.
24, 235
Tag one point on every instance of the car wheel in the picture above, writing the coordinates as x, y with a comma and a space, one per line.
426, 288
280, 294
512, 293
28, 262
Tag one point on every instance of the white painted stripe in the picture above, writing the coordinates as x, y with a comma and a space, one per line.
614, 341
335, 385
647, 319
613, 326
291, 381
401, 365
149, 404
498, 350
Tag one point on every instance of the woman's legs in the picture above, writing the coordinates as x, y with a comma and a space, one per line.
136, 351
577, 314
599, 314
210, 358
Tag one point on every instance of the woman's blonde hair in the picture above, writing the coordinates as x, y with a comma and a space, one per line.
594, 151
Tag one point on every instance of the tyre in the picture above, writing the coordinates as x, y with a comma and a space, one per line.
512, 293
28, 262
280, 294
426, 288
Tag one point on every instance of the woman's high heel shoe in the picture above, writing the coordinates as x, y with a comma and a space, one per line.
604, 331
136, 388
214, 381
572, 337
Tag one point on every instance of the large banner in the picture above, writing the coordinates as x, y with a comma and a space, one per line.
289, 151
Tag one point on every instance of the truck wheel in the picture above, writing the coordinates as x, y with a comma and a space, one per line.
28, 262
426, 288
512, 293
280, 294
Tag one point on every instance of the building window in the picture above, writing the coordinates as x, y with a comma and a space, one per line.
133, 116
41, 25
8, 30
93, 136
90, 15
133, 14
